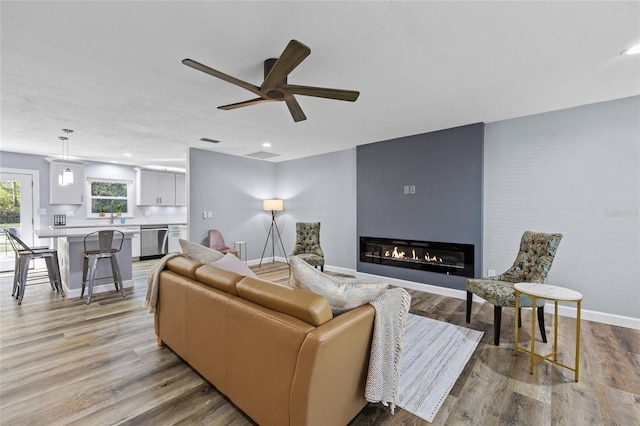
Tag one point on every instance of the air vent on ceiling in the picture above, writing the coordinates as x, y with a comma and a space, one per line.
209, 140
262, 155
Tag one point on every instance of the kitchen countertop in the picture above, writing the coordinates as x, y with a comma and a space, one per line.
63, 231
117, 224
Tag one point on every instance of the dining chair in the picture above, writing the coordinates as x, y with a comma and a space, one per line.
23, 257
109, 244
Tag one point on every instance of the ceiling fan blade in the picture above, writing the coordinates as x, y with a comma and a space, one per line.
295, 110
293, 54
245, 103
321, 92
201, 67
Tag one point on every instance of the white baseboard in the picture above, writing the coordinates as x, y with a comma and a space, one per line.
563, 310
100, 288
266, 260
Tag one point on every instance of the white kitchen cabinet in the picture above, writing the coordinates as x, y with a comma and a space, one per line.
181, 190
156, 188
69, 194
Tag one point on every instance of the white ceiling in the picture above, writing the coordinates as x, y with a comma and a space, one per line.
112, 71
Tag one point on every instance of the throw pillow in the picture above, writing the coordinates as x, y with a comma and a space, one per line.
199, 252
230, 262
342, 293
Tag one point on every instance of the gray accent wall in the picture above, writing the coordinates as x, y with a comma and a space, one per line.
445, 167
574, 171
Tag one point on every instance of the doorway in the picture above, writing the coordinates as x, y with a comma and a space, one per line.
16, 211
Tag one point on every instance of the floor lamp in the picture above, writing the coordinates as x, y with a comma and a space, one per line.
273, 206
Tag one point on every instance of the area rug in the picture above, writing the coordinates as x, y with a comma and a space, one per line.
435, 353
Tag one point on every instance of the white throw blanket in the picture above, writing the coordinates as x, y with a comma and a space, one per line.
151, 298
386, 347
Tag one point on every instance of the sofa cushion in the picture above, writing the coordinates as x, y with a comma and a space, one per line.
304, 305
230, 262
199, 252
342, 293
183, 266
217, 278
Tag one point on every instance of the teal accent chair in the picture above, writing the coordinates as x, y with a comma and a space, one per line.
532, 264
308, 244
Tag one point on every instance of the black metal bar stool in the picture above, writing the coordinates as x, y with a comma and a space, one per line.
23, 257
109, 244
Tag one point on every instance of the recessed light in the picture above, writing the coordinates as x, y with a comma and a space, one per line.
633, 50
266, 145
126, 154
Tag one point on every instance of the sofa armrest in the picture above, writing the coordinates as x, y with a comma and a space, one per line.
332, 369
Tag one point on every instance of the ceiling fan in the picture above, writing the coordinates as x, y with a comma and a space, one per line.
275, 87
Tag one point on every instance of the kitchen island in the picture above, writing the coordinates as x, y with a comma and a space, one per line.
70, 245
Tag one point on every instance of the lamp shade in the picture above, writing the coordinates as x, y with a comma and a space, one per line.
270, 205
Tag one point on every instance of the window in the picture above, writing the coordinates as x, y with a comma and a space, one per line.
109, 196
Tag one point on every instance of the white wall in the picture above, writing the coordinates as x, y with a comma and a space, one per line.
577, 172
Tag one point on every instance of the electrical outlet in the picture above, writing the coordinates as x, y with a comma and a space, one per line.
412, 189
406, 189
204, 214
209, 214
491, 272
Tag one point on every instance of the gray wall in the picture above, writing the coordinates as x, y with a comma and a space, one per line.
232, 188
574, 171
446, 169
319, 188
322, 189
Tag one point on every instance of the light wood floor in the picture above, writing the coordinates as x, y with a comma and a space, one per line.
63, 362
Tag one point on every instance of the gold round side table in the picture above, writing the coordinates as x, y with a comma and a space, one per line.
555, 294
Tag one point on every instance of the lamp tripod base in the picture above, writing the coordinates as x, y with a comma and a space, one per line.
272, 234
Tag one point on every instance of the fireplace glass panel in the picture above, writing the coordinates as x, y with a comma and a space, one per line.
440, 257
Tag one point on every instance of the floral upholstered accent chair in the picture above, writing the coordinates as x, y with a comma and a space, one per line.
532, 264
308, 244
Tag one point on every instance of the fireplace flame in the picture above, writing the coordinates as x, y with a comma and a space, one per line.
432, 258
396, 254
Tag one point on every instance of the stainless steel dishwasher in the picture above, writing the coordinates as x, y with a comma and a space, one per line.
153, 241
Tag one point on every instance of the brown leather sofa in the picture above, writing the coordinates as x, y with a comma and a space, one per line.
276, 352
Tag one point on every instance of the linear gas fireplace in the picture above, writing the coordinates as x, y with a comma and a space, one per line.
444, 258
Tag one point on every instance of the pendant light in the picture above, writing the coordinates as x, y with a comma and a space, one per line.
65, 177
